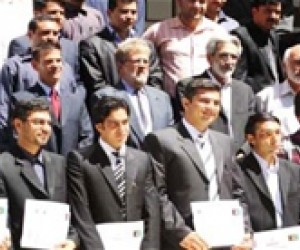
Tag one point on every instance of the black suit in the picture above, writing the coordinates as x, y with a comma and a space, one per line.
260, 205
18, 182
98, 66
254, 67
181, 177
93, 192
242, 106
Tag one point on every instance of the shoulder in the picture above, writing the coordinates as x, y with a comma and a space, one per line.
156, 91
267, 92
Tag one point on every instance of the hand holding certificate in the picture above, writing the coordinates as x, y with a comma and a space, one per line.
45, 224
121, 235
212, 220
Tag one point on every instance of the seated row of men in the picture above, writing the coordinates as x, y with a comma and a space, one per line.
110, 181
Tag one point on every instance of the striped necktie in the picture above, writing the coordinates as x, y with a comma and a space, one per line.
119, 173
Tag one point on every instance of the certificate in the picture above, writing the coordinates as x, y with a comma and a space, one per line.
123, 235
45, 224
279, 239
219, 223
4, 232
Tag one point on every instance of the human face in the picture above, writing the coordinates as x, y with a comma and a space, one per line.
215, 6
266, 141
46, 31
34, 132
267, 16
49, 66
203, 109
124, 16
56, 11
224, 61
114, 130
135, 70
292, 66
192, 10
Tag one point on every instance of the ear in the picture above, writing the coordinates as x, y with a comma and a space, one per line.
34, 64
17, 124
99, 127
250, 139
185, 102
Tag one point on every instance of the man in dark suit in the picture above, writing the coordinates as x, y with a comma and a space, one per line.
97, 54
150, 107
72, 127
195, 164
30, 172
237, 98
260, 65
271, 184
55, 9
98, 193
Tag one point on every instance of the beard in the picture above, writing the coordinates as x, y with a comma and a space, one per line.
295, 78
140, 80
225, 74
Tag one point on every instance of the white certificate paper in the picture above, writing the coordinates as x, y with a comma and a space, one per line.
121, 235
219, 223
45, 224
4, 232
280, 239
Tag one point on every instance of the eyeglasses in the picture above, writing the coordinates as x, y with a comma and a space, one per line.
138, 61
39, 122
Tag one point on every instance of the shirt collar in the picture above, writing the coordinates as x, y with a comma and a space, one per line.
109, 150
265, 167
212, 77
48, 89
285, 89
204, 24
222, 17
129, 89
194, 133
116, 37
25, 155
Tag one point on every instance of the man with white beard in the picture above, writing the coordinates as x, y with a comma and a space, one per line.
150, 107
237, 98
279, 98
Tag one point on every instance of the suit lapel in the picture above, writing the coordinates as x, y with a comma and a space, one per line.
153, 102
284, 181
188, 146
49, 172
254, 171
65, 102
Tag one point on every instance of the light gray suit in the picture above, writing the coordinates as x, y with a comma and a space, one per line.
181, 178
160, 107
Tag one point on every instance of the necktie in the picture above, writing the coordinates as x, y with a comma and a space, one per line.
119, 173
143, 116
55, 102
210, 167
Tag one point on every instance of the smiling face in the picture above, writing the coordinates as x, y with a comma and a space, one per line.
192, 10
35, 131
114, 130
203, 109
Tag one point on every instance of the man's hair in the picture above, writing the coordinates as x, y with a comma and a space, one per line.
23, 108
103, 107
44, 3
112, 4
214, 42
257, 3
191, 88
48, 45
34, 22
131, 45
258, 118
297, 104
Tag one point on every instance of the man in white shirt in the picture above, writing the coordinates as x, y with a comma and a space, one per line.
271, 184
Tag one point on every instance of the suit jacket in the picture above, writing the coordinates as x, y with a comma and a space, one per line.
260, 205
69, 50
93, 192
98, 66
242, 106
74, 129
253, 67
161, 117
180, 177
19, 182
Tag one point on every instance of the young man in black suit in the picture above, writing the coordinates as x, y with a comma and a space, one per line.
27, 171
111, 182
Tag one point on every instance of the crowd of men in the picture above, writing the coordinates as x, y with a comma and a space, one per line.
125, 123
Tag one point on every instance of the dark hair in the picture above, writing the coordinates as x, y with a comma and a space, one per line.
44, 3
190, 89
24, 107
257, 118
48, 45
297, 104
103, 106
112, 4
33, 24
257, 3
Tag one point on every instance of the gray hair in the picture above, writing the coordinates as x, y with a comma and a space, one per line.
288, 51
213, 43
131, 45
